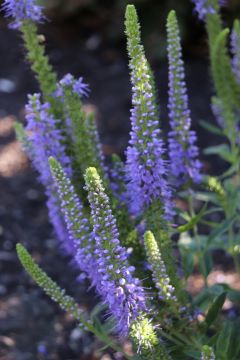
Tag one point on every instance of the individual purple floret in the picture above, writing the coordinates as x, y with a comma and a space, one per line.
78, 86
21, 10
121, 291
46, 140
205, 7
183, 151
235, 48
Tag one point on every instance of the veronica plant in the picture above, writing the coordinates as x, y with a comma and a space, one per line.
116, 221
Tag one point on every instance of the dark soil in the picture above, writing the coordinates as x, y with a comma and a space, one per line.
31, 326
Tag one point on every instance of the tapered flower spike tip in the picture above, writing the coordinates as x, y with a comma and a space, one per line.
132, 30
92, 178
131, 12
52, 162
172, 16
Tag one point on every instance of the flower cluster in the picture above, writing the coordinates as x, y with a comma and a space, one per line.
121, 291
146, 168
206, 7
23, 10
78, 86
46, 139
183, 151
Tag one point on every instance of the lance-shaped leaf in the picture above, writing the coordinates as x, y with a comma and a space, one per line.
214, 310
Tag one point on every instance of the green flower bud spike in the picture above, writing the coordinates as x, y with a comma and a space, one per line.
86, 145
215, 186
75, 218
207, 353
162, 236
166, 291
45, 75
57, 294
213, 23
146, 342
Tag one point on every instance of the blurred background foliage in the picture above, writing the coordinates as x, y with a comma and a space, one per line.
106, 18
103, 21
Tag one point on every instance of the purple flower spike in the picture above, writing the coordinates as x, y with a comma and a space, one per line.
183, 151
46, 140
122, 292
21, 10
146, 169
79, 230
206, 7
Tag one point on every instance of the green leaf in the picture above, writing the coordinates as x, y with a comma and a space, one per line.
207, 262
194, 220
224, 342
206, 196
207, 296
211, 128
215, 309
187, 249
234, 348
222, 150
222, 228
